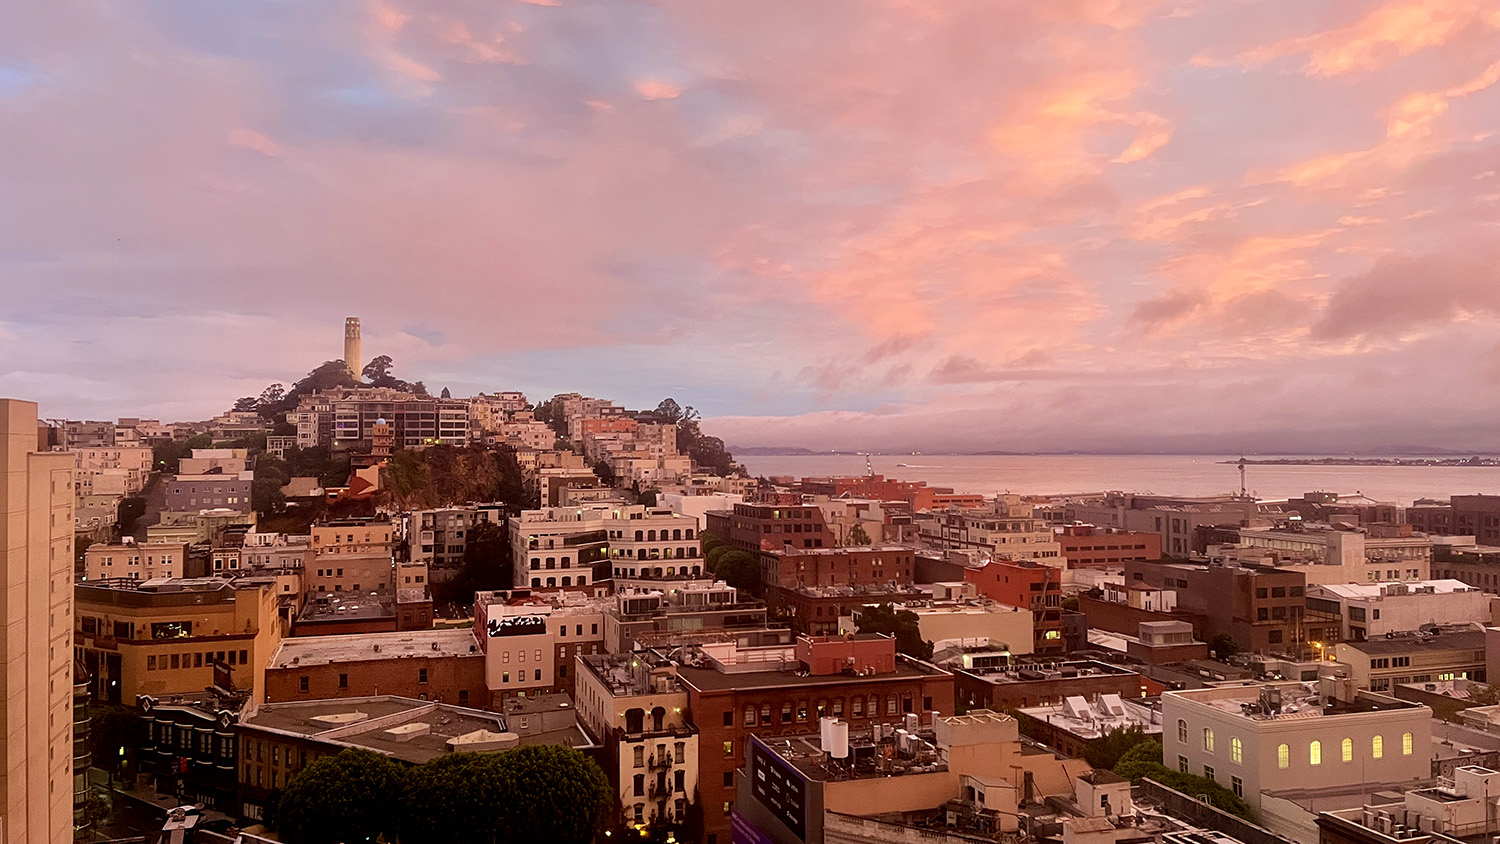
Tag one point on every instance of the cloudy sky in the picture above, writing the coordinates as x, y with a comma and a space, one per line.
888, 224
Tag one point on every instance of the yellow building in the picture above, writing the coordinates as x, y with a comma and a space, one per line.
164, 637
36, 684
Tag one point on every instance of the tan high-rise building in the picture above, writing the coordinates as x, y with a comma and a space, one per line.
36, 582
352, 351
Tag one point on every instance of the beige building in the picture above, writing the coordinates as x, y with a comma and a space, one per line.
1279, 736
1006, 529
634, 706
146, 561
351, 555
36, 686
164, 637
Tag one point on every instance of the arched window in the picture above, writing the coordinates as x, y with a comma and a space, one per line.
1236, 750
536, 583
1283, 756
1181, 730
1377, 747
567, 581
1346, 750
536, 563
677, 534
689, 534
1315, 753
1406, 744
639, 536
551, 581
650, 536
1208, 739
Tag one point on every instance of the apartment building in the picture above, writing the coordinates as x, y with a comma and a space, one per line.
1261, 608
164, 637
438, 665
439, 537
36, 575
559, 546
636, 707
757, 527
415, 421
1372, 610
1006, 529
1327, 554
132, 463
1280, 736
1029, 585
530, 641
1089, 547
1432, 655
735, 693
144, 561
1176, 520
230, 491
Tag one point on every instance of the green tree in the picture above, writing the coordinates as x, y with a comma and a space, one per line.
858, 536
266, 497
269, 403
353, 796
903, 625
1070, 603
739, 569
81, 545
1223, 645
445, 394
669, 411
648, 498
557, 795
1105, 751
715, 554
458, 798
378, 371
708, 541
110, 731
604, 472
1483, 694
246, 404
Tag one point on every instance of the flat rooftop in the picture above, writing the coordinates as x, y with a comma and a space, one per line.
709, 679
403, 728
416, 644
1447, 640
349, 606
1288, 701
1047, 671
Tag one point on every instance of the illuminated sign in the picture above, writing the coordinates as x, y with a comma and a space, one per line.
517, 625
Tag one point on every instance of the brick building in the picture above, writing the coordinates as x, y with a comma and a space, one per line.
1477, 516
439, 665
1087, 546
998, 682
865, 565
1262, 608
753, 527
782, 691
1028, 585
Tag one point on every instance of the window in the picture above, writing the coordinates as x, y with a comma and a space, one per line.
1315, 753
640, 757
728, 748
1208, 772
1377, 747
1346, 750
1208, 739
1236, 750
302, 683
729, 779
1181, 730
1406, 744
1237, 785
1283, 756
786, 713
343, 681
1182, 764
421, 675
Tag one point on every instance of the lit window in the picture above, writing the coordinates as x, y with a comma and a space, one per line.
1377, 747
1283, 756
1208, 739
1346, 750
1315, 753
1236, 750
1406, 744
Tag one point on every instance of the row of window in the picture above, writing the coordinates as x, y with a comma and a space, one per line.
1284, 751
859, 707
536, 582
166, 662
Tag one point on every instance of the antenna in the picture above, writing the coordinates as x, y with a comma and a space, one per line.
1242, 474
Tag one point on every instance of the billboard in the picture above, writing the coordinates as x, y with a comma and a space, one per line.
779, 787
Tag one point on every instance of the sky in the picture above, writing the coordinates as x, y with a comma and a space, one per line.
859, 224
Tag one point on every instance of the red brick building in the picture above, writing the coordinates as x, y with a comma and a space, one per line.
1046, 684
861, 680
1031, 586
439, 665
879, 488
757, 527
790, 568
815, 610
1087, 546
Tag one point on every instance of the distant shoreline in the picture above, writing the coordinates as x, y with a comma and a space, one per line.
1455, 462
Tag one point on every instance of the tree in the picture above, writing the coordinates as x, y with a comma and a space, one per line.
378, 371
1223, 645
648, 497
714, 555
738, 569
605, 472
81, 545
445, 394
903, 625
669, 411
347, 797
557, 795
128, 512
1105, 751
709, 540
1483, 694
457, 797
270, 400
246, 404
857, 535
486, 563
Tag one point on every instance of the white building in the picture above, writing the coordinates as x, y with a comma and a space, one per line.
146, 561
1326, 554
1371, 610
529, 644
1278, 736
636, 700
557, 547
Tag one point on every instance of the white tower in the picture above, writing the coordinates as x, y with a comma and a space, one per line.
352, 357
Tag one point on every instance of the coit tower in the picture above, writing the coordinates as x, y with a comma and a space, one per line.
352, 358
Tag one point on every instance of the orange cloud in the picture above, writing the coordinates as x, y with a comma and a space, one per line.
253, 140
1396, 29
657, 89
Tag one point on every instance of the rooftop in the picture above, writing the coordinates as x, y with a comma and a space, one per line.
1438, 639
779, 673
1377, 591
1288, 701
410, 730
1047, 671
420, 644
348, 606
